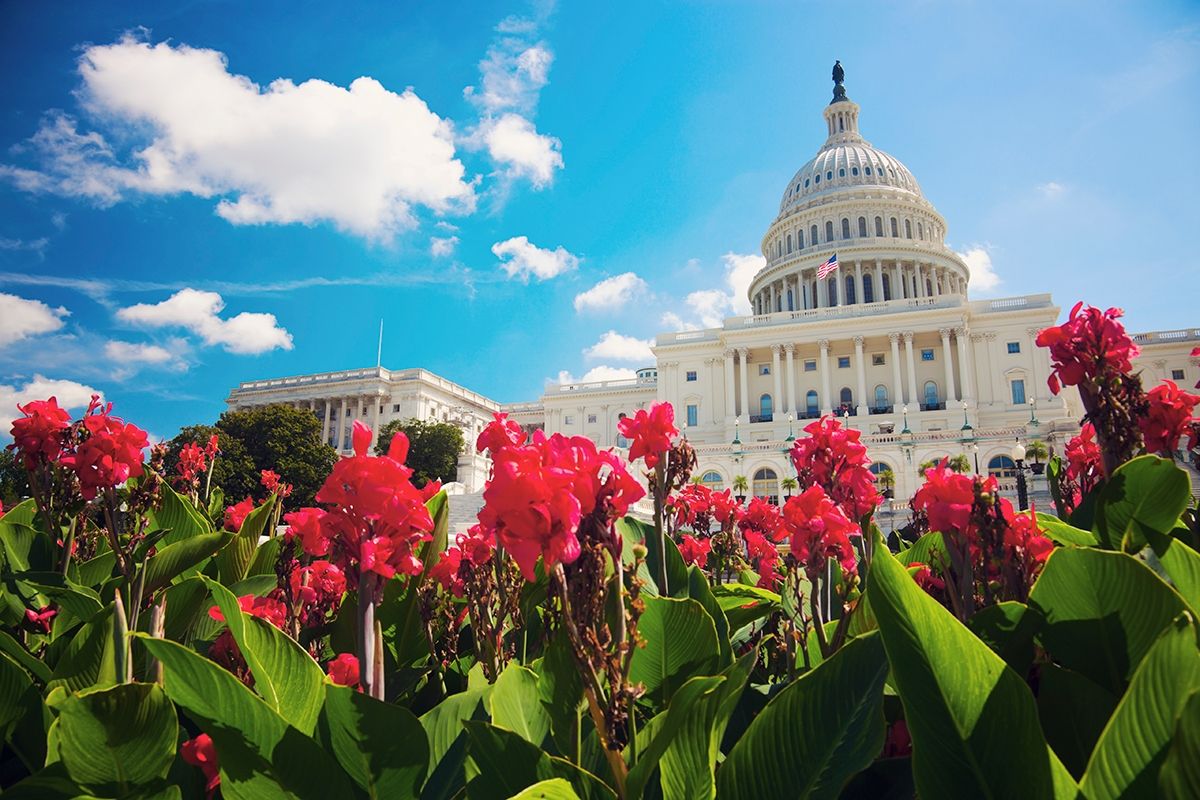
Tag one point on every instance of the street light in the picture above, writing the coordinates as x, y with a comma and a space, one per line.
1032, 408
966, 426
975, 452
736, 439
1018, 454
906, 437
791, 430
906, 430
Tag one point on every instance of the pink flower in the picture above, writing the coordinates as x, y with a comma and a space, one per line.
1169, 418
236, 514
445, 571
192, 463
1091, 344
649, 432
39, 434
1024, 536
307, 523
694, 550
319, 584
40, 620
271, 482
110, 454
500, 432
947, 498
832, 457
764, 519
820, 530
200, 752
265, 608
343, 670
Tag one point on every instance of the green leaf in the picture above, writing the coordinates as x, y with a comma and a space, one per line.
1181, 564
117, 739
508, 764
517, 706
443, 726
1179, 778
1103, 611
178, 514
560, 690
1145, 493
259, 753
659, 733
381, 746
89, 658
1074, 710
1008, 628
553, 789
1064, 533
680, 643
743, 604
96, 570
816, 733
233, 560
930, 550
699, 591
265, 557
23, 657
971, 718
285, 675
634, 531
13, 683
178, 557
1132, 748
81, 601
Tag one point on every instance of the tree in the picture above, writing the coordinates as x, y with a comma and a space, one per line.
959, 463
886, 480
14, 486
789, 485
233, 473
433, 448
1036, 450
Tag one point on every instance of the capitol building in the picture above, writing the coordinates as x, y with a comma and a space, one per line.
890, 341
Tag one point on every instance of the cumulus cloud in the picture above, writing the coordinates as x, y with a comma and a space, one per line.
514, 142
739, 272
673, 322
611, 293
21, 318
70, 395
137, 353
520, 258
442, 246
983, 277
710, 307
1051, 189
602, 372
199, 312
361, 157
614, 346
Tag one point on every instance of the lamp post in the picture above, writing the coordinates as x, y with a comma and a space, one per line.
1018, 454
791, 430
966, 426
906, 430
736, 438
1033, 421
975, 452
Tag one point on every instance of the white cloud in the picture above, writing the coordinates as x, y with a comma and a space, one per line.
611, 293
614, 346
137, 353
361, 157
983, 278
21, 318
595, 374
440, 246
519, 258
514, 142
673, 322
711, 306
244, 334
29, 245
739, 272
70, 395
1051, 189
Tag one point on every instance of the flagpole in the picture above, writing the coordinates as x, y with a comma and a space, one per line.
379, 351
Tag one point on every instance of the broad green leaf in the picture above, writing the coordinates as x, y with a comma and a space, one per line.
744, 605
185, 601
233, 560
971, 718
260, 754
30, 662
23, 513
658, 734
1074, 710
285, 675
89, 658
1103, 611
1131, 750
177, 514
634, 531
816, 733
517, 706
930, 549
176, 558
680, 643
1181, 564
81, 601
13, 683
117, 739
508, 764
265, 557
1008, 628
699, 591
1064, 533
443, 726
553, 789
381, 746
1147, 493
560, 690
1179, 778
95, 570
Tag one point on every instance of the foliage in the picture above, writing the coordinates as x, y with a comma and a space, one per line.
433, 448
14, 486
957, 463
1036, 450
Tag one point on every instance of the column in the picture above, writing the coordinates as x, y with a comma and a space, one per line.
862, 376
946, 357
964, 374
325, 426
897, 384
826, 404
823, 293
878, 287
919, 274
730, 401
897, 282
710, 392
1034, 353
744, 358
341, 434
374, 423
790, 350
777, 398
660, 384
914, 393
858, 290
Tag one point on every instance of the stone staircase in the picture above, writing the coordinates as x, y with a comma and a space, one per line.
464, 510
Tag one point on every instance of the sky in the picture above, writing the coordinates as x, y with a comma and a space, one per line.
194, 194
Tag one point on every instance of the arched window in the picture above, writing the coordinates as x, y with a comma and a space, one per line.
800, 239
831, 284
879, 226
846, 399
895, 230
854, 170
908, 229
928, 288
789, 243
887, 287
791, 305
829, 231
765, 408
842, 171
766, 485
931, 395
862, 226
1002, 467
851, 299
829, 175
816, 179
881, 398
868, 289
812, 235
841, 123
920, 231
845, 228
810, 403
868, 170
712, 479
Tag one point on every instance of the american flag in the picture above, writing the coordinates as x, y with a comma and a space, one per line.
828, 267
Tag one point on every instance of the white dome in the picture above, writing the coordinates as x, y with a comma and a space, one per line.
847, 164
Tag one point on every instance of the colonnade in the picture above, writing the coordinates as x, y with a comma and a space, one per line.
336, 430
801, 290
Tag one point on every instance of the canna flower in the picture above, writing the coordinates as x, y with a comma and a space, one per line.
111, 452
193, 462
649, 433
694, 550
343, 670
1083, 458
500, 432
271, 482
236, 514
764, 519
41, 619
832, 457
1090, 345
265, 608
1169, 417
39, 434
319, 584
820, 530
200, 752
445, 571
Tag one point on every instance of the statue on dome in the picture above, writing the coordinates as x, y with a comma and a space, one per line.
839, 75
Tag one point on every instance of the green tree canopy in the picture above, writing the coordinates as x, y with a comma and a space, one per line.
14, 486
433, 448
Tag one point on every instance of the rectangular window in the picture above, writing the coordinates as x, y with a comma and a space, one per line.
1018, 392
877, 360
1176, 374
1014, 347
810, 365
843, 362
395, 408
568, 420
691, 375
591, 419
764, 369
927, 354
693, 416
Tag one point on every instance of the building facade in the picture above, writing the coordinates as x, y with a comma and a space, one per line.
889, 341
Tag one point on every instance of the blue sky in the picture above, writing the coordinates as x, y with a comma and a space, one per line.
194, 194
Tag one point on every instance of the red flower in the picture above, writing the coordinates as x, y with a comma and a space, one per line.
926, 579
477, 544
649, 432
265, 608
235, 515
759, 548
192, 463
1024, 536
213, 447
898, 742
693, 550
200, 752
271, 482
500, 432
319, 584
947, 497
696, 506
1084, 462
763, 518
40, 432
40, 620
1089, 345
307, 524
343, 670
445, 571
820, 530
1169, 418
110, 454
832, 457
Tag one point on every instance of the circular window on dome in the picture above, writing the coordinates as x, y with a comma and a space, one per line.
806, 183
829, 175
817, 179
868, 170
842, 172
854, 170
